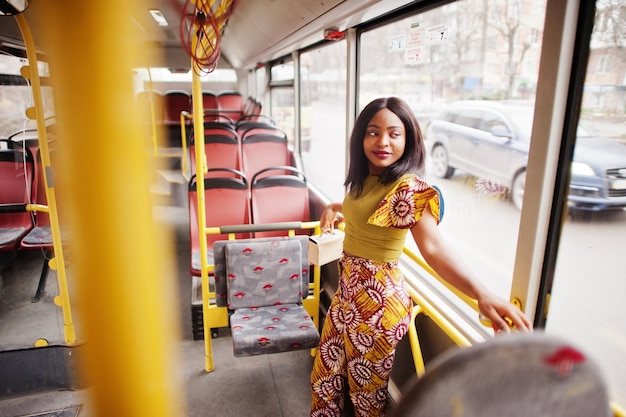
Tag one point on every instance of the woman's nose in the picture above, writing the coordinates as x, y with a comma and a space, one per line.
383, 140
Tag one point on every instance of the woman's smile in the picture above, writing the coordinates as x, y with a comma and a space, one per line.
382, 154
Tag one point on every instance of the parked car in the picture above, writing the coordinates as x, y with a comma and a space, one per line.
489, 139
426, 111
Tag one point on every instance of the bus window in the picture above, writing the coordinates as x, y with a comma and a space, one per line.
589, 284
283, 102
323, 109
259, 84
282, 98
452, 53
164, 79
16, 96
283, 110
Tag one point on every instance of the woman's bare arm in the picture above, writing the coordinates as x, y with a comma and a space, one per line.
446, 262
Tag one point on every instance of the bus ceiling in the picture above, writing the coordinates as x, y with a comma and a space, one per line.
255, 32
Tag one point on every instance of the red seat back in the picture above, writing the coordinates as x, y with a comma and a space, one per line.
17, 172
175, 102
231, 104
279, 198
226, 203
262, 146
221, 147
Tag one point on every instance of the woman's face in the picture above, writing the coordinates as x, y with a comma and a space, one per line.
384, 141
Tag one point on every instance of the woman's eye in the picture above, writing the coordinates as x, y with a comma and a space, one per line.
372, 133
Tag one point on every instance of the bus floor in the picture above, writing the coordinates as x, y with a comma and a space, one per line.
267, 385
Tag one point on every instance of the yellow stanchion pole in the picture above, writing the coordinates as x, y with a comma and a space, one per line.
198, 128
125, 277
31, 72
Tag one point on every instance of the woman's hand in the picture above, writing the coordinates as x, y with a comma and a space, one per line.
503, 315
328, 217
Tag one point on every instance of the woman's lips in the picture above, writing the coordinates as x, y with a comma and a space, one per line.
382, 155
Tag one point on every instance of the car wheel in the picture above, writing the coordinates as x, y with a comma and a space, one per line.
517, 189
441, 168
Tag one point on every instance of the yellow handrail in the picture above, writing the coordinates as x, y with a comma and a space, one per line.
37, 112
424, 307
418, 260
183, 137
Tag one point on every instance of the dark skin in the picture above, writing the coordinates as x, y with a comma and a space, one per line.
386, 137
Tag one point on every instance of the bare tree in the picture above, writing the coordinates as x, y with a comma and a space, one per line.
510, 26
610, 27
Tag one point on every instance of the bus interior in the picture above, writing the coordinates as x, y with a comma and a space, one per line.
114, 257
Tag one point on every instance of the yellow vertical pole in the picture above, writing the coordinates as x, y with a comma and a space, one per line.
121, 261
37, 112
198, 129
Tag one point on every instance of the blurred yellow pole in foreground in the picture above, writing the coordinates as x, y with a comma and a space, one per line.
121, 265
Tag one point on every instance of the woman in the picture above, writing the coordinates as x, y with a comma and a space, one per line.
370, 312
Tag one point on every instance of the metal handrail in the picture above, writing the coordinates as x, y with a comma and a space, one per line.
31, 72
422, 263
424, 307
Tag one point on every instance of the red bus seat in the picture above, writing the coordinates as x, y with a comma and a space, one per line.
40, 236
279, 198
211, 107
17, 173
226, 203
231, 104
263, 146
209, 101
221, 148
247, 122
247, 127
175, 102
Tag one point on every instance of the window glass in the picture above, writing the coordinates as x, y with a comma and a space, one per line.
164, 79
587, 298
469, 118
283, 111
282, 98
260, 84
16, 96
490, 120
283, 72
323, 117
466, 50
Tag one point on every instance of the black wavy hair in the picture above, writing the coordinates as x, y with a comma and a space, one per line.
411, 161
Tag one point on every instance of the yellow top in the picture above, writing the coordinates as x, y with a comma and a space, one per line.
376, 223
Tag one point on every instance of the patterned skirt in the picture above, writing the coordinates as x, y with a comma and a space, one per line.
367, 318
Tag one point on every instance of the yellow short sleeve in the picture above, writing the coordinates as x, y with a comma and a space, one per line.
403, 206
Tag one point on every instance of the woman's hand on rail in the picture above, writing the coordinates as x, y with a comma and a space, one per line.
446, 262
503, 315
329, 216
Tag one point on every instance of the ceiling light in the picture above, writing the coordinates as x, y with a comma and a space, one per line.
158, 17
